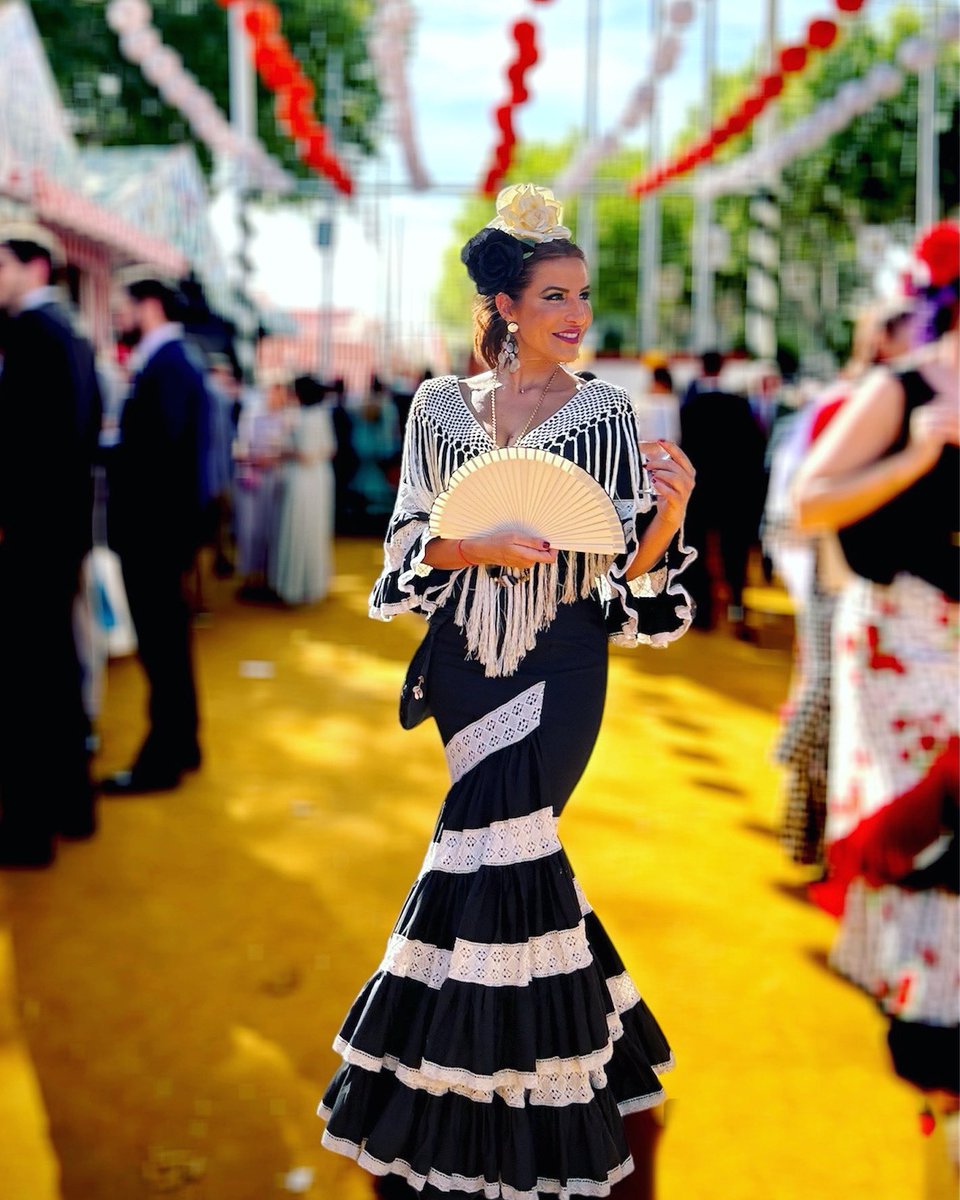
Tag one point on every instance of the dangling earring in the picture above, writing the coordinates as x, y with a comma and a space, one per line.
509, 357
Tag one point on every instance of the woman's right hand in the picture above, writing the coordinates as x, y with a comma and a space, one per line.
933, 426
510, 549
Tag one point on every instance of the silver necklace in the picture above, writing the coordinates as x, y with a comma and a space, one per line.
533, 411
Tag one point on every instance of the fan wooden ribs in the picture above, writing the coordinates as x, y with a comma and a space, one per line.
534, 492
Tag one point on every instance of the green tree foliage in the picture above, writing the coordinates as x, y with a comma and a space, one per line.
113, 105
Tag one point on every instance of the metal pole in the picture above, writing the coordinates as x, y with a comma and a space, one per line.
927, 198
333, 119
650, 230
586, 212
243, 117
763, 238
704, 325
243, 86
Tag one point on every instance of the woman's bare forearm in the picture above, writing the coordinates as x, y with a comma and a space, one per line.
653, 546
835, 501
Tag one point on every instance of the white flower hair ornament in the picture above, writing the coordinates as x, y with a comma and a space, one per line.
526, 216
530, 213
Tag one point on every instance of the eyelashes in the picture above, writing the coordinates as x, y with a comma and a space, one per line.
559, 296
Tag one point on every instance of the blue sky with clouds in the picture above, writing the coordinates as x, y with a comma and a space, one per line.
456, 74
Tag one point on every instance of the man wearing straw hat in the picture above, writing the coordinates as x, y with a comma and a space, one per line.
49, 424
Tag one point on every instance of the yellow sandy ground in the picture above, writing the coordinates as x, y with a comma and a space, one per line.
182, 976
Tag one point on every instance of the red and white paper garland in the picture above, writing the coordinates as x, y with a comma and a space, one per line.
851, 100
163, 67
524, 34
294, 94
822, 33
666, 53
389, 46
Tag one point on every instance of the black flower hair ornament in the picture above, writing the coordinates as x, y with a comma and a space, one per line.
494, 260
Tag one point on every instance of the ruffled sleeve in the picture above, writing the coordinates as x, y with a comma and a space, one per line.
654, 609
407, 583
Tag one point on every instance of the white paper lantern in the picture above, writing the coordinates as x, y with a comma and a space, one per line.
666, 55
163, 65
639, 105
681, 13
885, 80
124, 16
179, 91
948, 27
138, 44
854, 97
917, 54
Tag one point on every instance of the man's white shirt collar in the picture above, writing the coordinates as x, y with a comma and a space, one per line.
38, 297
148, 346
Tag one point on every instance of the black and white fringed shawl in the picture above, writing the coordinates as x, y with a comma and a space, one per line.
597, 430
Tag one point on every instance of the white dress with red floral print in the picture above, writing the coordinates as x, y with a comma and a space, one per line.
895, 704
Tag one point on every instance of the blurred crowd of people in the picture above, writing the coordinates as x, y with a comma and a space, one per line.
862, 525
142, 469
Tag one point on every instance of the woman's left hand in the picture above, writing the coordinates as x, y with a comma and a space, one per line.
672, 475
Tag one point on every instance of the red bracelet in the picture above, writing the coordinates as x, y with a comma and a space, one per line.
463, 556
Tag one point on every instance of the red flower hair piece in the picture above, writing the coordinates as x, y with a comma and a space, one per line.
938, 249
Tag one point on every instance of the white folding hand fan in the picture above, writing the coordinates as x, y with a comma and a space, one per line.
533, 491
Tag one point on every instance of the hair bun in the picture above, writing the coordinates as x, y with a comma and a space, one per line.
494, 260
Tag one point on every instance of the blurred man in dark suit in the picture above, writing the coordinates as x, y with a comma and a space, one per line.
156, 479
49, 425
723, 441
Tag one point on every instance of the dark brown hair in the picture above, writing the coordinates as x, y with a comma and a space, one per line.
489, 328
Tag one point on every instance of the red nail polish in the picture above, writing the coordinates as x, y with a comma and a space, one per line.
546, 545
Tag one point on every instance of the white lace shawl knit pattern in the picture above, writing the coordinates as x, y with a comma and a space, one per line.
595, 429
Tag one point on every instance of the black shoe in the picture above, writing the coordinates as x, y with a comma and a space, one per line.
26, 855
137, 783
78, 828
192, 760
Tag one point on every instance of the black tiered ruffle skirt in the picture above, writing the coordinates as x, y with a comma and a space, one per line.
500, 1044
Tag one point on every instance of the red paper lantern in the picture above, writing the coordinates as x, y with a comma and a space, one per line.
822, 34
301, 91
771, 86
938, 248
705, 152
275, 68
850, 6
524, 33
317, 142
718, 136
518, 93
301, 124
262, 19
504, 119
753, 106
736, 122
793, 59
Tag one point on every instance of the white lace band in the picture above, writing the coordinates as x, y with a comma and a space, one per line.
504, 726
489, 964
476, 1185
499, 844
553, 1081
